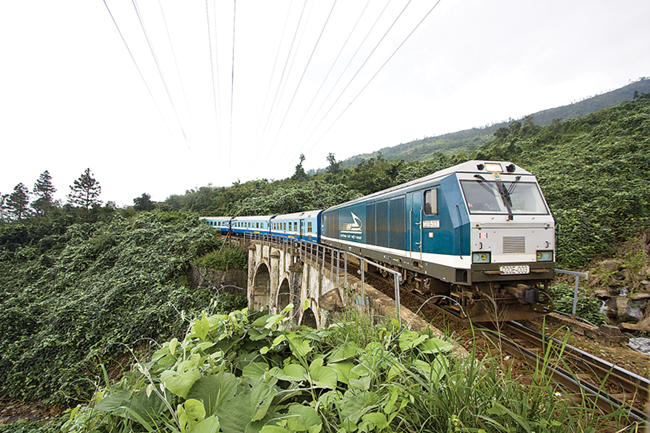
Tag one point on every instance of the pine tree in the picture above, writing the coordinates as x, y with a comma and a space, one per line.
18, 202
85, 191
44, 191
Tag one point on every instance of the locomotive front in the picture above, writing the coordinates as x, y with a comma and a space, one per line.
512, 237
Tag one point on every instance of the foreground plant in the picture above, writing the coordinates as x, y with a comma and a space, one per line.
241, 373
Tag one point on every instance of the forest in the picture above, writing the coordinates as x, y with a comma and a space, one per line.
84, 285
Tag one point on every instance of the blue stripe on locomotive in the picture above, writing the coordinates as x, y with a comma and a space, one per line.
451, 238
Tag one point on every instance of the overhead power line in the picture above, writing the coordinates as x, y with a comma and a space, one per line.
373, 77
214, 92
162, 76
139, 71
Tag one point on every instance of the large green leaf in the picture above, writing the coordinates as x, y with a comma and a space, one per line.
190, 413
292, 373
345, 351
251, 404
299, 345
342, 370
212, 390
255, 370
410, 339
208, 425
435, 345
324, 377
435, 370
303, 418
113, 400
179, 382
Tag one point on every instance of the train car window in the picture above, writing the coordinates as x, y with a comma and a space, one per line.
431, 202
309, 226
295, 226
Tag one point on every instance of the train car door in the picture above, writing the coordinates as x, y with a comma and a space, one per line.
415, 225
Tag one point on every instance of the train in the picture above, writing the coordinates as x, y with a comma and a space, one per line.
477, 238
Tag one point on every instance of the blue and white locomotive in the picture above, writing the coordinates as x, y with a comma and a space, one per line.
479, 233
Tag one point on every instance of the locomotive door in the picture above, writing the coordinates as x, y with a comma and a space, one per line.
415, 225
302, 229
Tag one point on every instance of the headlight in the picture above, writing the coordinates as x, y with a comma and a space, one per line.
481, 258
544, 256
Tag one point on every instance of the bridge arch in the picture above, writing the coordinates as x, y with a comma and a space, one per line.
284, 295
309, 319
260, 295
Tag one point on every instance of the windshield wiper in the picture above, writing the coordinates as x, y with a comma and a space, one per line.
513, 185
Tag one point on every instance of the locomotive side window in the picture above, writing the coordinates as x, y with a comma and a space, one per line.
431, 202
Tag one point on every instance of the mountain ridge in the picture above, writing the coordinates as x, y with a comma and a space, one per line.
470, 139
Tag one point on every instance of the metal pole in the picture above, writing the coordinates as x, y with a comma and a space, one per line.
575, 291
346, 269
338, 265
575, 298
397, 300
363, 287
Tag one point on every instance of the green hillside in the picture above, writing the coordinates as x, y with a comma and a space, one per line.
470, 139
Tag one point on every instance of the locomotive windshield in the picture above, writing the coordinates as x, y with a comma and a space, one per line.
503, 197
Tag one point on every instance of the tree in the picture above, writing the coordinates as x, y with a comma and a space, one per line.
44, 191
144, 203
335, 166
4, 214
18, 202
85, 191
300, 171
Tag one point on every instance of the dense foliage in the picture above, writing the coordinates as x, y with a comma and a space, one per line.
72, 297
235, 373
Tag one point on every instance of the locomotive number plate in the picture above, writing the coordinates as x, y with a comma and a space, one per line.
514, 270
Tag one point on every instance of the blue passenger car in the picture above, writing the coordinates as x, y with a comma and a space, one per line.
298, 226
219, 223
251, 224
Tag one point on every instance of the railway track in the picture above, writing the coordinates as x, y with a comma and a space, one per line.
609, 386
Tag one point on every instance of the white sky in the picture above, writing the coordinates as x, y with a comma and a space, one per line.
72, 98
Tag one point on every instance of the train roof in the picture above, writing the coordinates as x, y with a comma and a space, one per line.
253, 218
225, 218
298, 215
465, 167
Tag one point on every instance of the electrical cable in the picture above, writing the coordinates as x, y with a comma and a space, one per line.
139, 71
162, 77
373, 77
232, 81
340, 77
214, 93
357, 73
303, 75
330, 71
284, 70
268, 88
178, 72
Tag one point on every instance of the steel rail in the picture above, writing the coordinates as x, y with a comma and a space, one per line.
629, 381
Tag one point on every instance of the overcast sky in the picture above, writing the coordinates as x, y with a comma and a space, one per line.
346, 77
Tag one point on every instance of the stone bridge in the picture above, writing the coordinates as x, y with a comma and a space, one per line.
315, 282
